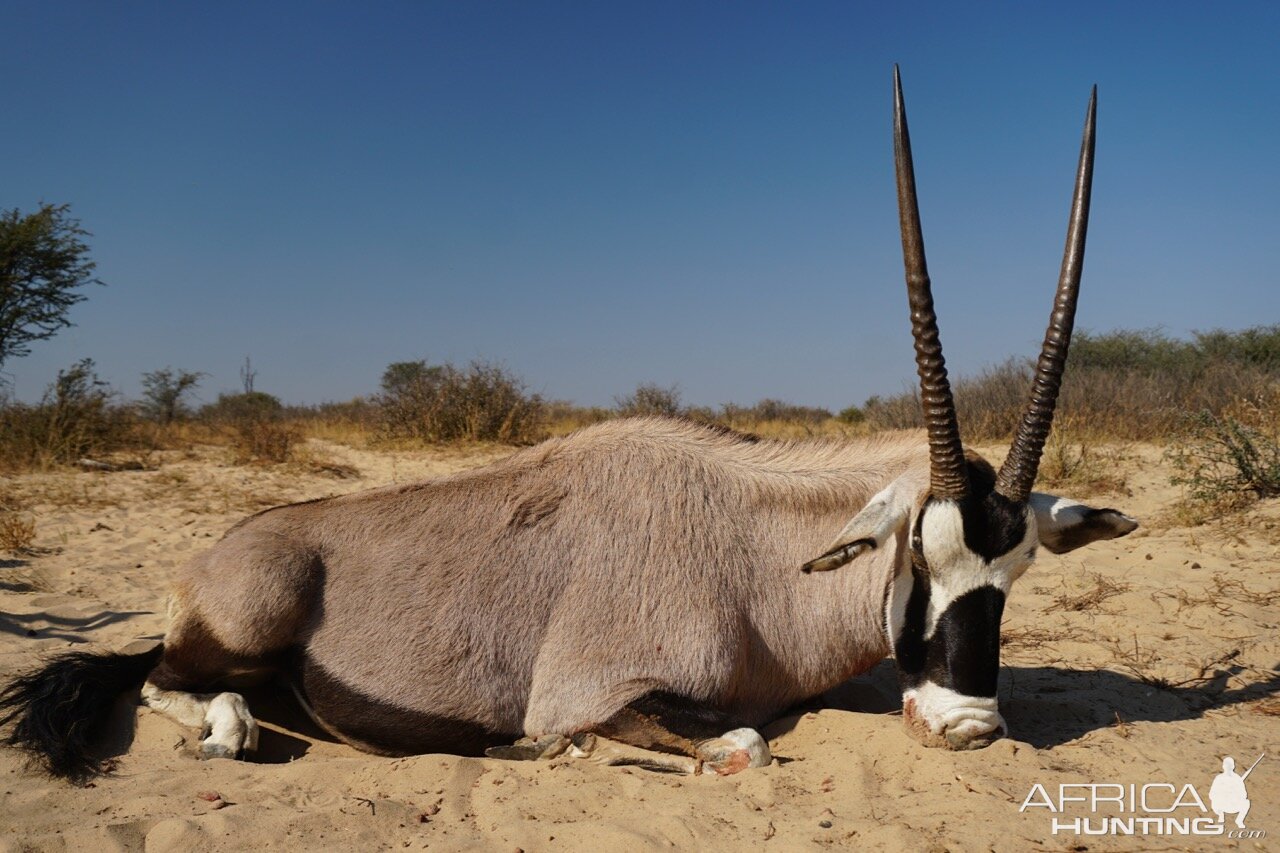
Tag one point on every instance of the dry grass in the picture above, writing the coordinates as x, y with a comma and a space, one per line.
17, 531
263, 441
1097, 589
1229, 460
1035, 637
1076, 460
1145, 664
1220, 595
345, 431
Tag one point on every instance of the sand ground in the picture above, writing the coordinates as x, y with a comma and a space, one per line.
1142, 660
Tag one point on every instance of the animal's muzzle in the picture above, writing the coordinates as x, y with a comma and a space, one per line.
938, 716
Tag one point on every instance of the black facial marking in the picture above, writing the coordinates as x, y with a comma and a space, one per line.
993, 524
964, 652
909, 646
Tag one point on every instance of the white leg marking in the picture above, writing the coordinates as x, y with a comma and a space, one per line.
734, 751
753, 743
227, 726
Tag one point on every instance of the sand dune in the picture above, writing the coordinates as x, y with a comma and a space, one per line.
1140, 660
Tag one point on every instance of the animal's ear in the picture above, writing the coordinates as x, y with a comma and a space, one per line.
1065, 525
879, 520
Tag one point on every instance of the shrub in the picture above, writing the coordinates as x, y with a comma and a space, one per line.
257, 426
1124, 384
76, 417
264, 440
248, 406
482, 402
770, 409
649, 398
851, 415
1227, 461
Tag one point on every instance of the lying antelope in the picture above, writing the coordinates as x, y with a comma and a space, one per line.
657, 583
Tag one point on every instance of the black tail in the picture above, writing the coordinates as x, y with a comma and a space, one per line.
59, 711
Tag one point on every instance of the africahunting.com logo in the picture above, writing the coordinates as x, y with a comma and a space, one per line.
1155, 808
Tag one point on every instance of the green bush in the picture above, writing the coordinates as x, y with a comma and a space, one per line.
1229, 460
248, 406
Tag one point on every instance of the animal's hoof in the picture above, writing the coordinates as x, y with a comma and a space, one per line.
960, 741
210, 749
735, 751
734, 762
543, 748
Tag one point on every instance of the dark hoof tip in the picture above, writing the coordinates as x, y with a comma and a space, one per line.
215, 750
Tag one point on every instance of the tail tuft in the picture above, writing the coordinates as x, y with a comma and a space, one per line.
58, 711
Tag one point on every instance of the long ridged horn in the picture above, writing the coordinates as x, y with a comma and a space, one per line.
949, 478
1019, 469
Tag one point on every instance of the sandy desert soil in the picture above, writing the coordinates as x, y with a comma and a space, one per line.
1141, 660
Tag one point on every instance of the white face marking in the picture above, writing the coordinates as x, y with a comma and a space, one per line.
955, 570
958, 717
895, 606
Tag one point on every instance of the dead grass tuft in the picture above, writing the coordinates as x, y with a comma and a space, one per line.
1099, 588
1033, 637
1220, 595
1075, 460
263, 441
17, 532
1145, 663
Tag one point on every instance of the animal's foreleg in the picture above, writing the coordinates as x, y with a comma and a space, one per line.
667, 722
227, 729
179, 687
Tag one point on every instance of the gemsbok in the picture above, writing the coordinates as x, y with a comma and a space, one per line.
650, 582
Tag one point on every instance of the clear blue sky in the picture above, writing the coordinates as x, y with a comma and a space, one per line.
600, 194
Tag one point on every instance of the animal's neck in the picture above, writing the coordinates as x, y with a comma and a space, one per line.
823, 628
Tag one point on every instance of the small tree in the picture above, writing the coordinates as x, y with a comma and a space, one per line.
163, 392
43, 262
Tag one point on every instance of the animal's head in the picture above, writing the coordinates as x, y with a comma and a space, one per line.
966, 535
